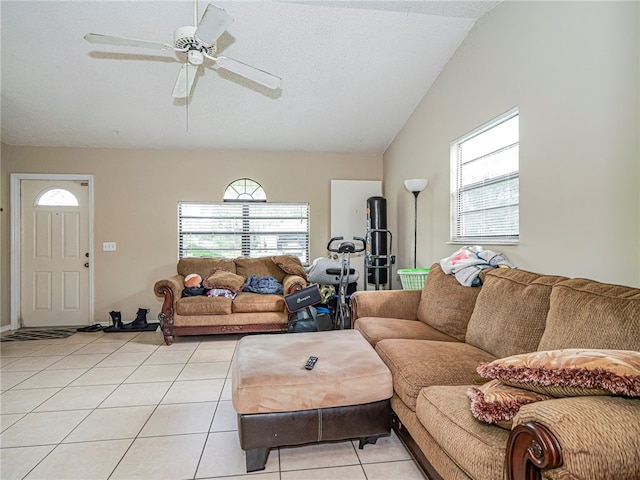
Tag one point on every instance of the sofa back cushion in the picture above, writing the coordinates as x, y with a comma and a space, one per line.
589, 314
204, 266
445, 304
510, 314
261, 267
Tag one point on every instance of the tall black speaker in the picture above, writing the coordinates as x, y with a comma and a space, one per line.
377, 237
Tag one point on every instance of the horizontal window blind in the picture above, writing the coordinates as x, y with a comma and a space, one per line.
485, 183
251, 229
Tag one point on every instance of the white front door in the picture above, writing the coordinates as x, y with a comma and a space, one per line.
54, 259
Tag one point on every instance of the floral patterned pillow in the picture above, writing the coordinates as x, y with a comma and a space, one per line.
495, 402
570, 372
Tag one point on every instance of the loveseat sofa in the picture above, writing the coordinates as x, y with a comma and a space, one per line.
435, 342
246, 312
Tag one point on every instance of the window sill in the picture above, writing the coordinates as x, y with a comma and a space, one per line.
492, 242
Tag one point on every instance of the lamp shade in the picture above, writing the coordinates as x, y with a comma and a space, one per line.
416, 184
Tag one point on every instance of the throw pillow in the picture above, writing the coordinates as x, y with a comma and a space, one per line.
495, 402
570, 372
290, 264
227, 280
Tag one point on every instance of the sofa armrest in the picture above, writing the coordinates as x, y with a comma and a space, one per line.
175, 284
293, 283
385, 303
171, 289
576, 437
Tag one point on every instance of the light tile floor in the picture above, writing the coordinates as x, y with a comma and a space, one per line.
126, 406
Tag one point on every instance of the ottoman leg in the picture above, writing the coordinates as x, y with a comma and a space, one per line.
367, 440
257, 459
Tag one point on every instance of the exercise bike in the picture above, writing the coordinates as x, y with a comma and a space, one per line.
345, 249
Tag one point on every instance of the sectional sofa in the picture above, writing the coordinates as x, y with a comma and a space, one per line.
492, 382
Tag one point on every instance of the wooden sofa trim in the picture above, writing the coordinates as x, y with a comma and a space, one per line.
414, 449
531, 448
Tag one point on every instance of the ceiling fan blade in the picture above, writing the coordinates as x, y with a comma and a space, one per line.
249, 72
125, 42
214, 22
185, 80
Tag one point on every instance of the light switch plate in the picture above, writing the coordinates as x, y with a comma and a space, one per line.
109, 246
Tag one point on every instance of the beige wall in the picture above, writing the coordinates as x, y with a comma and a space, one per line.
4, 246
135, 204
572, 68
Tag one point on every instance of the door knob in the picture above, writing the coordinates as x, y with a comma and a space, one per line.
86, 254
86, 265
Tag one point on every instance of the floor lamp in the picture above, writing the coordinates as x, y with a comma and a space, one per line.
415, 186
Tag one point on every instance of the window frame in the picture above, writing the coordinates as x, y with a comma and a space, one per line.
509, 221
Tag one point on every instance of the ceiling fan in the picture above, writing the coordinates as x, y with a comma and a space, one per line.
198, 43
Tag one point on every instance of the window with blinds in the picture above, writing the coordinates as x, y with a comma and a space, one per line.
248, 229
485, 183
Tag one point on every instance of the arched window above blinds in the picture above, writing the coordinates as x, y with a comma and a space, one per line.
244, 190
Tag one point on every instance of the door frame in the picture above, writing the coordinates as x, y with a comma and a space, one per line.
16, 235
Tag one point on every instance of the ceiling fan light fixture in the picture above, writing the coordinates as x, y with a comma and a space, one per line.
195, 57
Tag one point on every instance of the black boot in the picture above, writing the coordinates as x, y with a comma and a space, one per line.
141, 318
116, 318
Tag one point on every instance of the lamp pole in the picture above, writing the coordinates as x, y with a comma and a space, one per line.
415, 186
415, 229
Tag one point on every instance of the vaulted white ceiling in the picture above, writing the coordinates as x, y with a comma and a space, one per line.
352, 73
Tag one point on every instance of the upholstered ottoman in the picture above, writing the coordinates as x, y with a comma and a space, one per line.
279, 402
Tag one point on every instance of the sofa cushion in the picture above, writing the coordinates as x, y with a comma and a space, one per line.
588, 314
416, 364
260, 267
290, 265
476, 447
570, 372
510, 314
496, 402
445, 304
202, 305
227, 280
375, 329
247, 302
204, 266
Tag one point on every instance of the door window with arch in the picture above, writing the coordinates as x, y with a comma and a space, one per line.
245, 224
56, 197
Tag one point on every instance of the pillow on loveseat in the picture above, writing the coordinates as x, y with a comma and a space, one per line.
290, 264
226, 280
495, 402
570, 372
